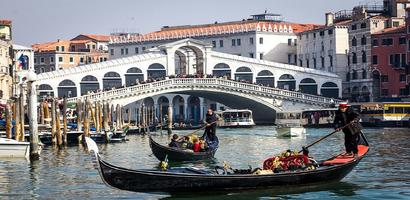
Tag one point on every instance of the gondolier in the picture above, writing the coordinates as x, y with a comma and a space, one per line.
344, 116
210, 125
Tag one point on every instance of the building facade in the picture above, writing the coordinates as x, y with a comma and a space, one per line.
6, 61
389, 61
325, 48
263, 37
62, 54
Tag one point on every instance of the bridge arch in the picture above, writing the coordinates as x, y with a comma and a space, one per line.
163, 103
67, 88
194, 109
222, 69
45, 90
112, 80
308, 85
156, 71
244, 74
287, 81
266, 78
178, 103
329, 89
133, 75
89, 83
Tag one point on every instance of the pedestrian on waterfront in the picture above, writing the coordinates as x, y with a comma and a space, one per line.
343, 116
210, 125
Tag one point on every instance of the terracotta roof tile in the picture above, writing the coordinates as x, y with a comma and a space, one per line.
101, 38
216, 29
5, 22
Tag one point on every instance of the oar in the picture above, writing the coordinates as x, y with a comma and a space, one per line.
326, 136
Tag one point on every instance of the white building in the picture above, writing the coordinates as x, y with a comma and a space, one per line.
263, 37
325, 48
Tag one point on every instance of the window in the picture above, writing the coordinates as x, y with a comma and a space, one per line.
41, 60
93, 46
60, 59
101, 59
364, 57
251, 55
238, 42
233, 42
354, 58
57, 48
354, 41
300, 62
35, 60
126, 51
402, 40
347, 76
403, 91
396, 24
307, 63
375, 42
122, 51
261, 40
322, 59
397, 60
137, 50
289, 58
105, 58
384, 78
330, 32
72, 48
112, 52
364, 41
289, 42
354, 75
214, 44
374, 60
354, 27
143, 48
261, 56
402, 77
62, 48
307, 36
385, 92
314, 63
363, 25
71, 59
81, 60
221, 43
322, 33
251, 40
88, 46
295, 42
364, 74
314, 35
89, 59
387, 41
330, 61
51, 59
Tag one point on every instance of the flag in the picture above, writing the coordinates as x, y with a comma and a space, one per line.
23, 62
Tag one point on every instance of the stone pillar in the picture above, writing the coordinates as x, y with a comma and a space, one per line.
170, 113
202, 107
186, 111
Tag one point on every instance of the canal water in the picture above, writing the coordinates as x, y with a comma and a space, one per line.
69, 173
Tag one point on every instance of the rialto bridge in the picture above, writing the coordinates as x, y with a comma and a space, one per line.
235, 81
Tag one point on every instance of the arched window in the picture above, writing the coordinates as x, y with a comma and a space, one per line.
354, 41
112, 80
45, 90
266, 78
89, 84
329, 89
287, 81
67, 88
221, 69
364, 57
308, 85
133, 76
244, 74
156, 71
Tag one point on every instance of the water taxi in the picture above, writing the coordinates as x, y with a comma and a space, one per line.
289, 124
235, 118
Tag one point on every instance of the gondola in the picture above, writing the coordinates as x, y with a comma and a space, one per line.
196, 180
176, 154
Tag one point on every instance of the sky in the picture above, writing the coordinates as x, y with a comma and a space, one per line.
38, 21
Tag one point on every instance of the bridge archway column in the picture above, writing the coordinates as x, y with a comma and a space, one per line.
206, 62
202, 106
185, 97
170, 61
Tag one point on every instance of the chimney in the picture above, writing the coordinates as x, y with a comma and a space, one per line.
329, 18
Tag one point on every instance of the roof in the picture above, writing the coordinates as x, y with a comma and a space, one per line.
392, 30
20, 47
51, 46
180, 32
5, 22
99, 38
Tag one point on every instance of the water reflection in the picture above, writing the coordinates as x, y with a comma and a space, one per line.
69, 172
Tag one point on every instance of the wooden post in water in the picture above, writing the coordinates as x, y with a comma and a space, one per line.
32, 111
17, 126
8, 120
53, 120
160, 117
169, 119
58, 125
65, 131
22, 112
86, 120
117, 117
90, 106
106, 116
143, 118
79, 108
113, 115
41, 111
46, 110
129, 116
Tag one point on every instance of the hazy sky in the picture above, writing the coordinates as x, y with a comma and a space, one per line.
36, 21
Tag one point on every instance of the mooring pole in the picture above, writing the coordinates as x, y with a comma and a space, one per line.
34, 151
8, 120
65, 121
22, 112
169, 119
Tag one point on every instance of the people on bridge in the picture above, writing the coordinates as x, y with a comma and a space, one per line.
210, 125
343, 116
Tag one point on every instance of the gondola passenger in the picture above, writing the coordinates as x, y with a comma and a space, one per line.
196, 147
174, 141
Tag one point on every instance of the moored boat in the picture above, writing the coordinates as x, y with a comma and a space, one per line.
289, 124
195, 180
10, 148
178, 154
235, 118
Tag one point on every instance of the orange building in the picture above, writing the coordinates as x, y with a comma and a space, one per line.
81, 50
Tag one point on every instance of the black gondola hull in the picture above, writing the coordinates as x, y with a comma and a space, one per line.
174, 154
